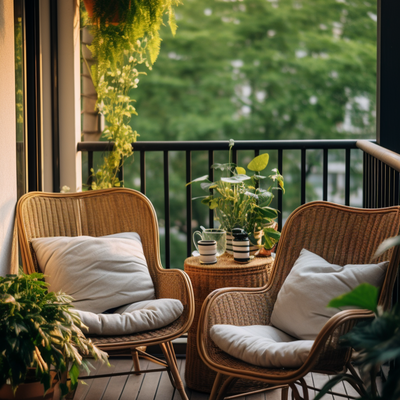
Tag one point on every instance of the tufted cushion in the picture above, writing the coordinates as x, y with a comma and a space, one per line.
137, 317
301, 306
100, 273
261, 345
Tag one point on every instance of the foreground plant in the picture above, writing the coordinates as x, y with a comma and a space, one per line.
377, 342
240, 202
40, 331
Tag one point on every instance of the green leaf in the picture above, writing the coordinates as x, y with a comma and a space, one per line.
258, 163
386, 245
363, 296
272, 233
330, 384
206, 185
266, 212
236, 179
200, 179
74, 373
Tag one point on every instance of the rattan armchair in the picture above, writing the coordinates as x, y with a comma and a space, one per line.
105, 212
341, 235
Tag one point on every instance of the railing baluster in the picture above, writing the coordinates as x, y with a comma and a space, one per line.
143, 171
325, 175
280, 194
375, 186
90, 167
189, 203
347, 178
211, 178
166, 211
303, 175
234, 155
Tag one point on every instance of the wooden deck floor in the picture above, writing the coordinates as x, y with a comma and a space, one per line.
156, 385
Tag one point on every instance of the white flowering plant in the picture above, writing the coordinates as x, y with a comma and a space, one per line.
119, 47
240, 202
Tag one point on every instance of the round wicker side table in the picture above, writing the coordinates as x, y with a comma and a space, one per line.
206, 278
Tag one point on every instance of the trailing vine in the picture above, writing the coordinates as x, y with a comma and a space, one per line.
118, 49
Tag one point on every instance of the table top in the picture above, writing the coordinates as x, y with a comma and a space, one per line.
226, 261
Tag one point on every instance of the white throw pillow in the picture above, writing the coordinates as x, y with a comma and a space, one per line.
100, 273
301, 306
261, 345
137, 317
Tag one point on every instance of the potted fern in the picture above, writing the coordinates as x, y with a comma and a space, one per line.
40, 339
125, 35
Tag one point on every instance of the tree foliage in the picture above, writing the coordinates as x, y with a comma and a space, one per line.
263, 69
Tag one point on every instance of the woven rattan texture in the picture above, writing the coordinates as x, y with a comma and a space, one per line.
341, 235
205, 279
99, 213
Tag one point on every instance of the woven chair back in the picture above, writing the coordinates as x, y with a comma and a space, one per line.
341, 235
91, 213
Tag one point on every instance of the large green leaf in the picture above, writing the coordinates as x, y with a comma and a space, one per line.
258, 163
364, 296
267, 212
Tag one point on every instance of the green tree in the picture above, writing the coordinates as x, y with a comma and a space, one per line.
256, 70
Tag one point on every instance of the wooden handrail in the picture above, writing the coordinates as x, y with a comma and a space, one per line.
388, 157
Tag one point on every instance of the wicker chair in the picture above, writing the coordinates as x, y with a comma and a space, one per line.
341, 235
104, 212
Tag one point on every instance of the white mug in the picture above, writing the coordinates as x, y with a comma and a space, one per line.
208, 251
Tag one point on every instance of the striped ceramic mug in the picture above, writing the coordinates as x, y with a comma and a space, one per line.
208, 251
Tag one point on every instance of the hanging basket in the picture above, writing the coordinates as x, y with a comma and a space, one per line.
89, 5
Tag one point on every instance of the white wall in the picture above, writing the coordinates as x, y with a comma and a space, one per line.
8, 174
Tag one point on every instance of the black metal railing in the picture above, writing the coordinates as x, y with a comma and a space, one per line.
188, 147
380, 175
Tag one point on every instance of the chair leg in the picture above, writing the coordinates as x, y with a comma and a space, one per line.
295, 392
136, 362
223, 391
170, 357
216, 385
285, 393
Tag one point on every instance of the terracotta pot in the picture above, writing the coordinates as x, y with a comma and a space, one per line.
89, 5
31, 391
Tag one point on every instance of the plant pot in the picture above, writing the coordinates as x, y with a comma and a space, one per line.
89, 5
31, 390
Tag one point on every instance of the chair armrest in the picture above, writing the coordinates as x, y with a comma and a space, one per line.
327, 354
174, 284
234, 306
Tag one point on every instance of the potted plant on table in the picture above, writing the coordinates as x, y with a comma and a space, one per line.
240, 202
40, 339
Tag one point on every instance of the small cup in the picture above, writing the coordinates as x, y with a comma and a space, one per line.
208, 251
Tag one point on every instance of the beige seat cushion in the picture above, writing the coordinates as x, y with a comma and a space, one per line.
100, 273
137, 317
261, 345
301, 306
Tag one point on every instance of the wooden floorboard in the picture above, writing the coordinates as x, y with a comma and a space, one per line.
157, 385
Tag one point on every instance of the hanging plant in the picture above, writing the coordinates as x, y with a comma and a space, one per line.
125, 34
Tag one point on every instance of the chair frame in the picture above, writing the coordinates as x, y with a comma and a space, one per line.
105, 212
326, 355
